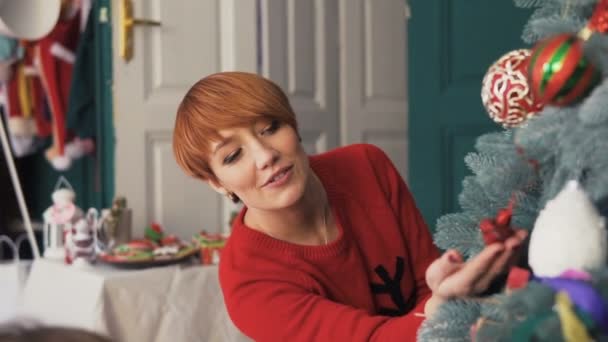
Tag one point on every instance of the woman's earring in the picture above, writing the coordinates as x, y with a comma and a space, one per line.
234, 198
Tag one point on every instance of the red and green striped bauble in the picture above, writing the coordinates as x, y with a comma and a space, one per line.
559, 73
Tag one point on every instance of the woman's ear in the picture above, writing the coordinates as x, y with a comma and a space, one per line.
217, 187
222, 191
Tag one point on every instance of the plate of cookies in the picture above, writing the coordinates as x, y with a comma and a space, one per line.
156, 249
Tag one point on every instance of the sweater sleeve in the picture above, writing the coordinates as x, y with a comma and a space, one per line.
421, 248
272, 310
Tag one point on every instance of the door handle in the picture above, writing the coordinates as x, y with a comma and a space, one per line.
126, 23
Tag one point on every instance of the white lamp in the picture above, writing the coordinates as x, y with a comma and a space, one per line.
30, 20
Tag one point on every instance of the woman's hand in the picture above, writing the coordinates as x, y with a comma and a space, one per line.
449, 276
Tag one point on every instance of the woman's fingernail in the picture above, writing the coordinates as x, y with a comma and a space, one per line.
453, 259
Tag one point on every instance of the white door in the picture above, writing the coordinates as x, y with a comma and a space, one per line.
299, 42
197, 38
343, 66
373, 76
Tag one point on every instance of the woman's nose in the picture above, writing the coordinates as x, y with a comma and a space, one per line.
265, 156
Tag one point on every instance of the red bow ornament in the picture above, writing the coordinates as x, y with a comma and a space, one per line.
498, 228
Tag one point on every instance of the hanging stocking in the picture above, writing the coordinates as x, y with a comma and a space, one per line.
55, 57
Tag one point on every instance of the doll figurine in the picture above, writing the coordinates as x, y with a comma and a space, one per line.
81, 240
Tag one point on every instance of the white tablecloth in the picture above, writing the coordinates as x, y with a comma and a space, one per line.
153, 305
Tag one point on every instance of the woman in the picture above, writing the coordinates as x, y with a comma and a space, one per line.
328, 247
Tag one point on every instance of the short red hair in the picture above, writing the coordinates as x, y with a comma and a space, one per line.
221, 101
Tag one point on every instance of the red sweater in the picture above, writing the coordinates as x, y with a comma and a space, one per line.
367, 285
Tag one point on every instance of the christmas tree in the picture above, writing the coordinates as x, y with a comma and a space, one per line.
555, 134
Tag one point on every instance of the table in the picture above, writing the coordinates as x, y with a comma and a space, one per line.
172, 303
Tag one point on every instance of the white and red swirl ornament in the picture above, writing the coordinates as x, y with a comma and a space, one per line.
506, 93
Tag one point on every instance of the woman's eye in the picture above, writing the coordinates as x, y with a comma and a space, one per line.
273, 127
232, 156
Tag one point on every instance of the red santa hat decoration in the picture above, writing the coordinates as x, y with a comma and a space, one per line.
54, 55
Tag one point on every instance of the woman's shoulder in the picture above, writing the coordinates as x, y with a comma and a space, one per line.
353, 170
348, 155
356, 160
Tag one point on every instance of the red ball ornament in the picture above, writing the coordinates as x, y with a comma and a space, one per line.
505, 91
559, 72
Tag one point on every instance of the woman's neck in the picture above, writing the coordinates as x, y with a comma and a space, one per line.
306, 222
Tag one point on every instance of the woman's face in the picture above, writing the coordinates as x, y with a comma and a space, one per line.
263, 164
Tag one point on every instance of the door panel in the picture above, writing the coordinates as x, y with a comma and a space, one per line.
300, 54
451, 45
373, 76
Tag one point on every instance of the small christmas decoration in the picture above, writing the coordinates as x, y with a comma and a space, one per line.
573, 329
598, 21
506, 93
80, 240
115, 224
568, 240
60, 219
154, 232
498, 228
559, 72
210, 246
55, 55
569, 234
518, 278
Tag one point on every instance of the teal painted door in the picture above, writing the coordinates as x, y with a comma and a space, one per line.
451, 45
